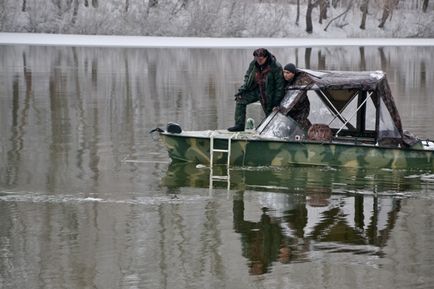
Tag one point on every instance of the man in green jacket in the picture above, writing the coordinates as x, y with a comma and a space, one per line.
263, 81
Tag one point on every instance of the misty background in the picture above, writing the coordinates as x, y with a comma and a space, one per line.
222, 18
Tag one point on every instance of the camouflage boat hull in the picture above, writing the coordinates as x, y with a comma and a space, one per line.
248, 149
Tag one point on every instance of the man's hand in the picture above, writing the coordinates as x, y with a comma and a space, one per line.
238, 96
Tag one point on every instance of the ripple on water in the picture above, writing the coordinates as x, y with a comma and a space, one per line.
34, 197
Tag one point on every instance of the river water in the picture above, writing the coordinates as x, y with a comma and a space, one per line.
89, 199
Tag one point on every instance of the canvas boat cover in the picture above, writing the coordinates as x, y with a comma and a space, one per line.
337, 89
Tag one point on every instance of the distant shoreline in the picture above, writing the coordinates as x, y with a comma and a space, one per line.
42, 39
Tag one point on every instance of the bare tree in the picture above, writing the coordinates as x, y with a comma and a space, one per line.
309, 25
323, 4
3, 14
58, 4
322, 13
364, 9
425, 5
178, 7
388, 7
152, 3
350, 4
335, 3
74, 12
297, 19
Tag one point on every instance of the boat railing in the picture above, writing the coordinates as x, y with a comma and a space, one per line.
354, 140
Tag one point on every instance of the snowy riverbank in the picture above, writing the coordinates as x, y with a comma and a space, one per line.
150, 41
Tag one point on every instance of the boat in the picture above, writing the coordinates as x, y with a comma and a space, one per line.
355, 123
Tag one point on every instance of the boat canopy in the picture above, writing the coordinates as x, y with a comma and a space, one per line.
361, 102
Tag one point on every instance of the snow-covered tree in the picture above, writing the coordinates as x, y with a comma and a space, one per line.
221, 18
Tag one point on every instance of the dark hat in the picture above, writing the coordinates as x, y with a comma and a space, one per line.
261, 52
290, 67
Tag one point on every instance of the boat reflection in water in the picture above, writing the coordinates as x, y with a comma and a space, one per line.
298, 213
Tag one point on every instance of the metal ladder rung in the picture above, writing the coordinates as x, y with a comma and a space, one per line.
223, 178
221, 150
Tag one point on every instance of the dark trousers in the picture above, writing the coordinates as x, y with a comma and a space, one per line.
241, 106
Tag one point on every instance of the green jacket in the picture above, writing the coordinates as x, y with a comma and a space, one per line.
274, 85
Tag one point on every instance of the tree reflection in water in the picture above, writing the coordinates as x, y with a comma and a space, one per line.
316, 222
302, 210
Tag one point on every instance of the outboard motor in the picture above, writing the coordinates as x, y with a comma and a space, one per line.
173, 128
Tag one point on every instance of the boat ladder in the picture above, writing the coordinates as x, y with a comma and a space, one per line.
227, 151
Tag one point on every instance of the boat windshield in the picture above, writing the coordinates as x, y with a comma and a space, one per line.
277, 125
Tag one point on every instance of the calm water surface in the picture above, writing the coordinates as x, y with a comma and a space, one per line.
89, 199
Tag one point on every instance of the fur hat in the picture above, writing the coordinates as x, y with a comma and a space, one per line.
261, 52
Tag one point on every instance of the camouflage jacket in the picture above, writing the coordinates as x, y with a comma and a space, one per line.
274, 83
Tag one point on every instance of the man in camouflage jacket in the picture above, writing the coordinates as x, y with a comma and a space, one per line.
263, 81
300, 111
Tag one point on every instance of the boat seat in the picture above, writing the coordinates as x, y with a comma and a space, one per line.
319, 132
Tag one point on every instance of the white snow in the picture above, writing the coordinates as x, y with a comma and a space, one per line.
203, 42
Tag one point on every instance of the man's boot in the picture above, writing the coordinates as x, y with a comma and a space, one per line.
236, 128
240, 116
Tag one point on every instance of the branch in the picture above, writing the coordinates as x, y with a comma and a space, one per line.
340, 15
